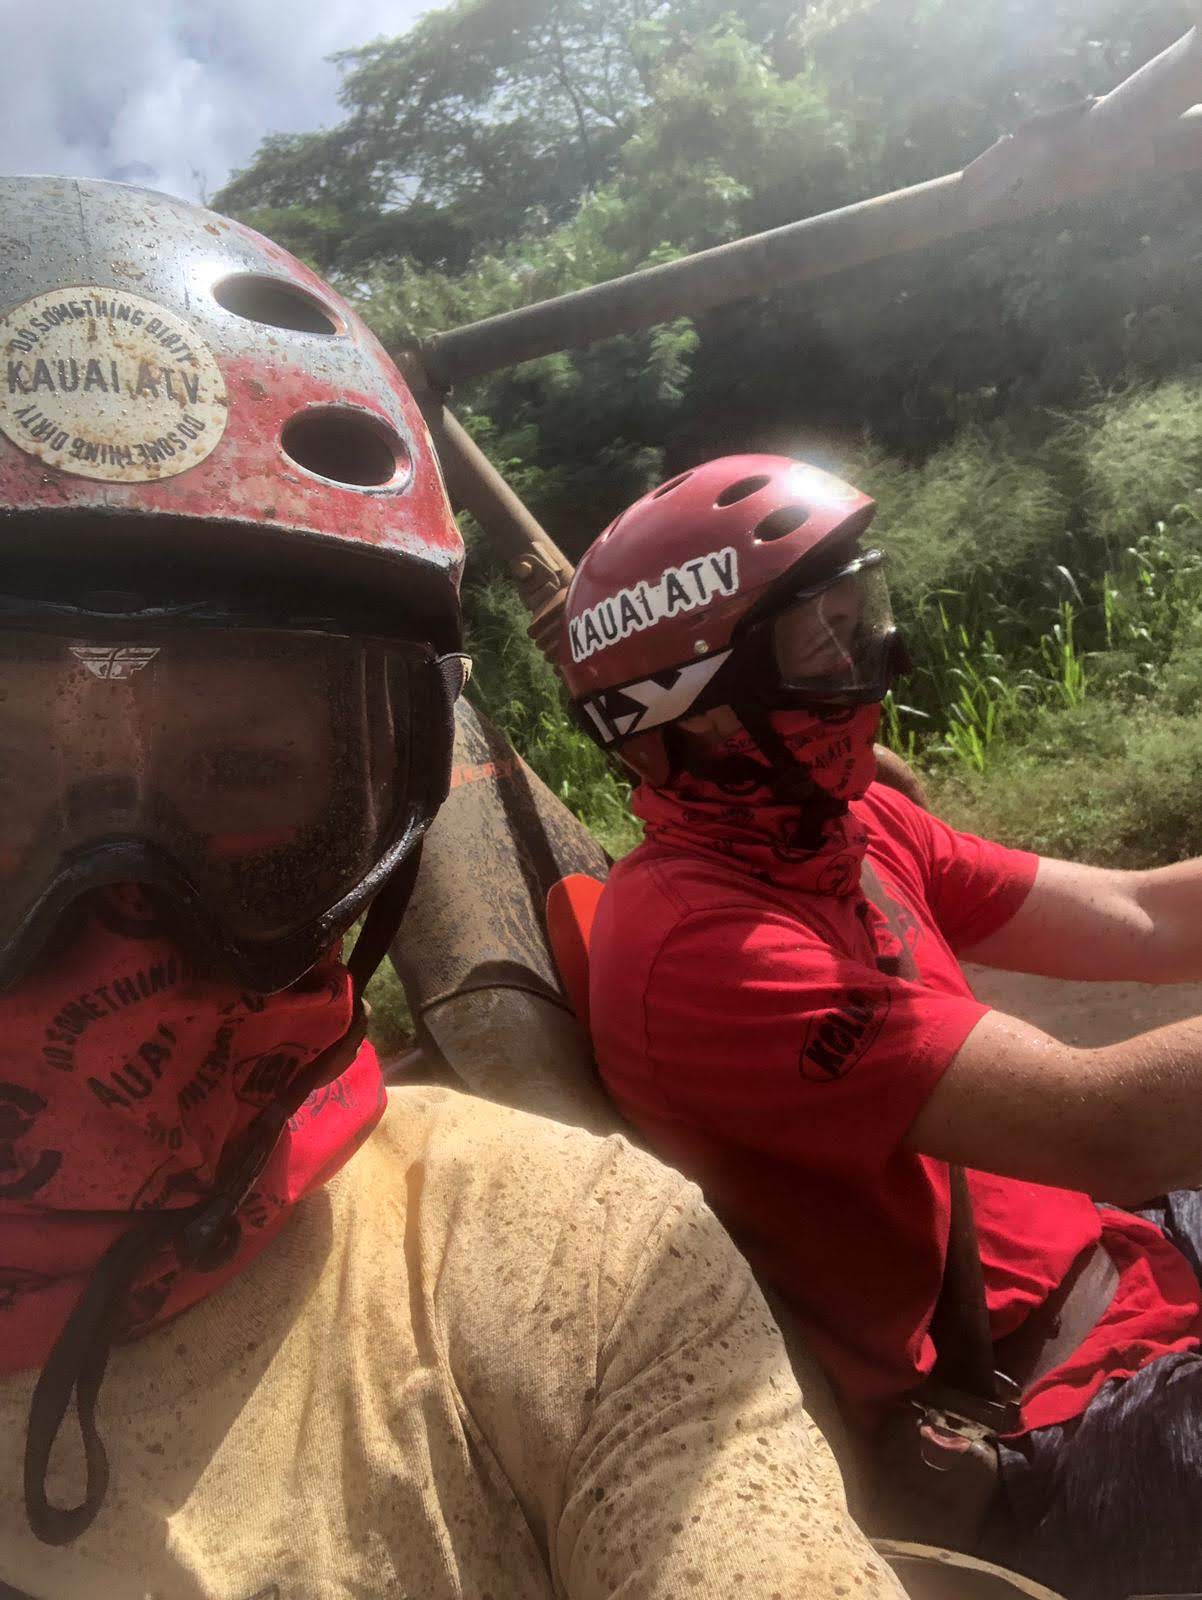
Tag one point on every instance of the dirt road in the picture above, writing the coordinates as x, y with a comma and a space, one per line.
1086, 1013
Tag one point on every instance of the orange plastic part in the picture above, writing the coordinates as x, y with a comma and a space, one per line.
571, 907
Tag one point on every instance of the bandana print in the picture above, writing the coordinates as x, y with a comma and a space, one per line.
123, 1078
742, 819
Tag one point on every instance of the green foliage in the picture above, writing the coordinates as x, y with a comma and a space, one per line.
1141, 456
933, 79
390, 1026
979, 509
484, 115
1066, 677
1111, 777
974, 693
488, 117
1150, 612
515, 686
1117, 788
725, 138
977, 694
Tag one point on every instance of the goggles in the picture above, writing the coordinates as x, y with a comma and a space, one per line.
832, 644
265, 779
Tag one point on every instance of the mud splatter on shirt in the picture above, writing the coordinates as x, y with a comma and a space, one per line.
495, 1357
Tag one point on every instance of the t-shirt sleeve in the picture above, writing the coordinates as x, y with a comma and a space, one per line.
761, 1034
699, 1470
973, 885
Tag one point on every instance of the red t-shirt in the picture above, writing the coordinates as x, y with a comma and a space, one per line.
744, 1026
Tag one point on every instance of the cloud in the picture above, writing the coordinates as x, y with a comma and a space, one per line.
178, 93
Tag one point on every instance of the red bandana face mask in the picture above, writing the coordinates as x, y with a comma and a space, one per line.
743, 819
123, 1079
836, 749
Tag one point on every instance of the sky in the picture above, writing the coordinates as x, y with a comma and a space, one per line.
174, 94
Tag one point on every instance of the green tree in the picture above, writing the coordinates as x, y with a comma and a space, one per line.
485, 119
507, 150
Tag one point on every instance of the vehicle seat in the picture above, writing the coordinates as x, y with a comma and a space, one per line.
571, 907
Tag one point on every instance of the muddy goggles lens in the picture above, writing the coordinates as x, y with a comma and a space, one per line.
832, 642
264, 771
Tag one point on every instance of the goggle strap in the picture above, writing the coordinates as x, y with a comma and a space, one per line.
382, 921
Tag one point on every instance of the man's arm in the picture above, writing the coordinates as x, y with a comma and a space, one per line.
1095, 922
1121, 1123
700, 1471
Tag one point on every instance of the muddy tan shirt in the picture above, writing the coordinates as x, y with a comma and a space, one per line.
496, 1359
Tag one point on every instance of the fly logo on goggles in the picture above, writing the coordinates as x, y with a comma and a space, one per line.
114, 661
638, 707
631, 610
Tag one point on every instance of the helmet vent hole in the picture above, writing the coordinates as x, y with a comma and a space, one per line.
275, 303
735, 492
672, 483
347, 447
779, 523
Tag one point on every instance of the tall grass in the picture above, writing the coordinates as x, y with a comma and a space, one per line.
967, 694
1140, 456
1042, 566
1107, 765
514, 685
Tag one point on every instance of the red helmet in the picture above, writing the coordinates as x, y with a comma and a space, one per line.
175, 384
735, 582
230, 587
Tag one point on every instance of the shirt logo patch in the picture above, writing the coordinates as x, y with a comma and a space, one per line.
835, 1040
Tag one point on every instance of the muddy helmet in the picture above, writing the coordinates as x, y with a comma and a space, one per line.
211, 476
737, 583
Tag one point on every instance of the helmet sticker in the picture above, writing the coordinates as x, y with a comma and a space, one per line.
629, 611
106, 384
639, 707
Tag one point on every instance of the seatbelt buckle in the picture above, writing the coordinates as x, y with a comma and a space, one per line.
972, 1415
937, 1473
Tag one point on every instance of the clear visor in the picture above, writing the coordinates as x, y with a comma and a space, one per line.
830, 641
264, 770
